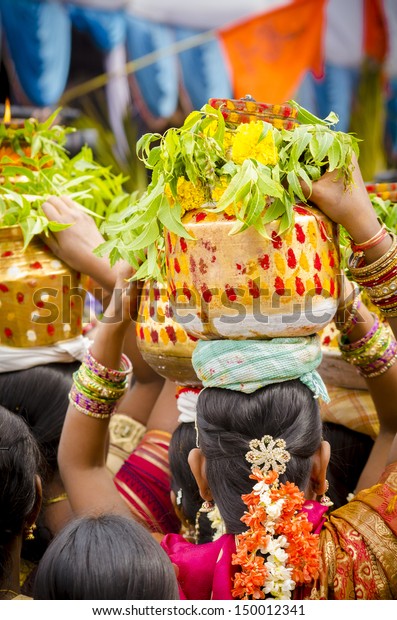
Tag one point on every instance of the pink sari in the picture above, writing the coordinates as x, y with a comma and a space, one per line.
206, 571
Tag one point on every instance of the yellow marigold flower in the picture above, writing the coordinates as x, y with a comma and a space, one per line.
218, 191
246, 144
168, 194
190, 196
228, 142
211, 127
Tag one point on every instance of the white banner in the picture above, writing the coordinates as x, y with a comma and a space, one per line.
89, 610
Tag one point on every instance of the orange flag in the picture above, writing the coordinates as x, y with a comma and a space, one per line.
375, 30
269, 53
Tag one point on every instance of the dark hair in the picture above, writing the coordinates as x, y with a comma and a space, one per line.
349, 453
229, 420
183, 440
19, 463
40, 396
103, 558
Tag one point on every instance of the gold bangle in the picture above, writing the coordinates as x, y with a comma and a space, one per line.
382, 370
390, 313
386, 268
383, 291
372, 267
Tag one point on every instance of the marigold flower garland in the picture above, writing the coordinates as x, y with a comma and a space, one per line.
252, 140
278, 551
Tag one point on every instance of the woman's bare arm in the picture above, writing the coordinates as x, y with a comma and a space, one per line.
83, 444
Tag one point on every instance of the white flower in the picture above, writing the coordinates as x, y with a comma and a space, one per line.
260, 487
217, 523
280, 555
274, 544
264, 499
274, 510
289, 585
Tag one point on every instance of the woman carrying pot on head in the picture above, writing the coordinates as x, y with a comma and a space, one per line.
260, 454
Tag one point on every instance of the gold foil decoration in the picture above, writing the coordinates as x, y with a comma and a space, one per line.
41, 298
164, 343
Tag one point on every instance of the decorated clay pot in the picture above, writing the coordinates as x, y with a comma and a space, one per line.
246, 286
41, 298
163, 343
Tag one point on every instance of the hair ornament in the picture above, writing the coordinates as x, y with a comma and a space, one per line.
179, 496
268, 453
217, 523
278, 551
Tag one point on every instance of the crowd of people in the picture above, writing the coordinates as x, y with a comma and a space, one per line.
356, 36
112, 488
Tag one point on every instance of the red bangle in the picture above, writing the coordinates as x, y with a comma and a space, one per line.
371, 243
378, 281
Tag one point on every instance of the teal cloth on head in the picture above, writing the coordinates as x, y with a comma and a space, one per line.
248, 365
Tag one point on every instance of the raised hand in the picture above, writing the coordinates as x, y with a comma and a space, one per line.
75, 245
349, 206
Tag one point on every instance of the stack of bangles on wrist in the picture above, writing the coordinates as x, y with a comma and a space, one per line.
374, 353
96, 389
378, 278
344, 325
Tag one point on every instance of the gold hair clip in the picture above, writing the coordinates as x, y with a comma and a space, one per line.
268, 453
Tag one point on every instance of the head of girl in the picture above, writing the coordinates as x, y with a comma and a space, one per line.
227, 421
20, 487
107, 557
185, 493
251, 404
39, 396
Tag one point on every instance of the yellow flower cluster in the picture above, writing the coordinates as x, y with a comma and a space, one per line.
218, 191
228, 143
190, 196
247, 144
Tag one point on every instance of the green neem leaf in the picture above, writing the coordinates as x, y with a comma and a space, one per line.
314, 172
255, 208
268, 186
332, 118
57, 226
303, 137
170, 217
334, 155
266, 128
148, 235
230, 168
320, 144
18, 170
286, 221
105, 248
302, 174
274, 211
294, 184
307, 118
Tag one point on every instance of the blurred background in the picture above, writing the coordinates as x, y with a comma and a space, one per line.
119, 68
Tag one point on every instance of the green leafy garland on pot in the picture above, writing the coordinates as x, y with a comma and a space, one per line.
251, 171
35, 164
